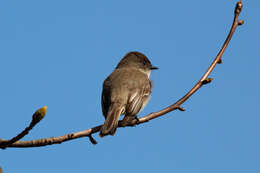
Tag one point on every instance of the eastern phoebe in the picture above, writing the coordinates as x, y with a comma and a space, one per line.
126, 91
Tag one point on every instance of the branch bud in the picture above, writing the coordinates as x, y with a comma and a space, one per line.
239, 6
39, 114
220, 61
241, 22
206, 81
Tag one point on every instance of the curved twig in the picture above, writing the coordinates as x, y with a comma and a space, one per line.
36, 118
87, 133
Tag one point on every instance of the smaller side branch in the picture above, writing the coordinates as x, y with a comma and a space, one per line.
36, 118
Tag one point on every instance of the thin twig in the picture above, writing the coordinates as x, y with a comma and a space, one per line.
88, 133
36, 118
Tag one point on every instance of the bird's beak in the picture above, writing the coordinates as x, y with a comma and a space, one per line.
154, 68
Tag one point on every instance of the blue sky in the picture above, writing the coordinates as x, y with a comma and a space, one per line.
57, 53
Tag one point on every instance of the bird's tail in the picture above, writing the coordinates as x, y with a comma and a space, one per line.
111, 122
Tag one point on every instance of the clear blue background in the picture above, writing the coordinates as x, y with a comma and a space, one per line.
57, 53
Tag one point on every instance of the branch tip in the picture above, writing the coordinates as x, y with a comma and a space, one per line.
239, 6
92, 140
181, 108
39, 114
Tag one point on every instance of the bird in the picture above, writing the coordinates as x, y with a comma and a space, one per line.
126, 91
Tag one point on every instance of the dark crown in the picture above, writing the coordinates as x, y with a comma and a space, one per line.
135, 59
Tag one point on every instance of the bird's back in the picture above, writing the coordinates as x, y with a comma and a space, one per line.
134, 84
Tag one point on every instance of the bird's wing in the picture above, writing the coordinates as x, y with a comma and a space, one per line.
105, 101
138, 98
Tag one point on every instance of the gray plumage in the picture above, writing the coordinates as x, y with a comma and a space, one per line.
126, 90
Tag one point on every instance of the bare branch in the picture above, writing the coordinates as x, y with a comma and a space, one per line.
36, 118
88, 133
